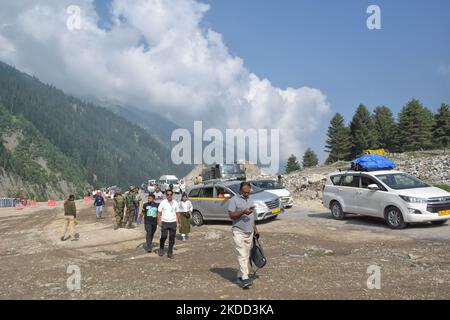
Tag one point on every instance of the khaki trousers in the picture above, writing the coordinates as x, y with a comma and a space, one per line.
69, 225
243, 242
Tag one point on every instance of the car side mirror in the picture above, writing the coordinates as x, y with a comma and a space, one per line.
373, 187
227, 196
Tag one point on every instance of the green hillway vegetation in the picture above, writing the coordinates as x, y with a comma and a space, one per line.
84, 144
35, 160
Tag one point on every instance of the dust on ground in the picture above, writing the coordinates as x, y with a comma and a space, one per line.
310, 257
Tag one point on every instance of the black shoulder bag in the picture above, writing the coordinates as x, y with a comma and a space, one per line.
257, 257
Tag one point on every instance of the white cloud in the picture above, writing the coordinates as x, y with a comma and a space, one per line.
187, 73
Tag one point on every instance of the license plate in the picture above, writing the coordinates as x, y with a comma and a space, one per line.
276, 210
444, 212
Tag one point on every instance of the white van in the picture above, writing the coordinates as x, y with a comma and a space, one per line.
395, 196
166, 180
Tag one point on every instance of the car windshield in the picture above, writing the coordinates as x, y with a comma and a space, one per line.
172, 181
235, 188
268, 185
399, 181
232, 169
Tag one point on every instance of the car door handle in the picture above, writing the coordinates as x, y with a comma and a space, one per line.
339, 189
359, 192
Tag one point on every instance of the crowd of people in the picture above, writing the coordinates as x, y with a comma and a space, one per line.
163, 211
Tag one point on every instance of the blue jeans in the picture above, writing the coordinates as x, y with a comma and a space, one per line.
150, 228
99, 211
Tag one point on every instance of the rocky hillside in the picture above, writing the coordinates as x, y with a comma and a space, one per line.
30, 166
431, 166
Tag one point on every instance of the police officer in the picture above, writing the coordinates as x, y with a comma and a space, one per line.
131, 205
119, 206
138, 201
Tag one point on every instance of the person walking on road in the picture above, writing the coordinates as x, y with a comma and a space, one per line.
150, 214
159, 196
185, 209
70, 215
138, 200
119, 206
168, 220
99, 202
241, 210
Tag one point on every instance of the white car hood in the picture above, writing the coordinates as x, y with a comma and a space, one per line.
427, 192
280, 192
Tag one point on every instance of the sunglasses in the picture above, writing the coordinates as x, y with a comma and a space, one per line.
169, 194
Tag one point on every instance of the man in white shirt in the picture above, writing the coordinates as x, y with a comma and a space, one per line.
159, 196
168, 220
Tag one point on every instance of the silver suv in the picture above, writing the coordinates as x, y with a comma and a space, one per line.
397, 197
210, 201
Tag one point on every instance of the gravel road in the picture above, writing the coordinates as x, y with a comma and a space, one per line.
310, 257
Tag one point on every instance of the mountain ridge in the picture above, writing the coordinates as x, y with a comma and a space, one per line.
111, 149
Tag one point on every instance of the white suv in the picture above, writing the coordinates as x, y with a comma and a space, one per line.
393, 195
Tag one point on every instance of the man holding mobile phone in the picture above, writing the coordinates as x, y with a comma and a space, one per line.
241, 210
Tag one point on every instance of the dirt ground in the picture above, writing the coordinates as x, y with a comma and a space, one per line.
310, 257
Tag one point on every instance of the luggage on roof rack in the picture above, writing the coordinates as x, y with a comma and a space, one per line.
372, 162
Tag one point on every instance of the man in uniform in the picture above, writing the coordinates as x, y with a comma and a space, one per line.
119, 206
131, 204
137, 217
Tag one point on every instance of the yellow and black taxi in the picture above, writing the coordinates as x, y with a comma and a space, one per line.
210, 201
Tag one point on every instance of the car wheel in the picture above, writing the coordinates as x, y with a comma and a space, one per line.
197, 219
336, 211
439, 222
394, 218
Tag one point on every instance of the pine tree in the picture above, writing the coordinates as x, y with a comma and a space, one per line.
415, 127
441, 130
385, 127
292, 164
310, 159
338, 142
362, 132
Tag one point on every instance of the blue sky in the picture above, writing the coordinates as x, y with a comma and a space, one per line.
326, 45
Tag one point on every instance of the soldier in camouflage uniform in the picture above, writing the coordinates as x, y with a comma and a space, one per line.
131, 205
119, 206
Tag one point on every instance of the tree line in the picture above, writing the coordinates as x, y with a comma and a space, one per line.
309, 160
416, 128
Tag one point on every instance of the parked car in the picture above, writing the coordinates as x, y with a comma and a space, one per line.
395, 196
210, 201
166, 180
273, 186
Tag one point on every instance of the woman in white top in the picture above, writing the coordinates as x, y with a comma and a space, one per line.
185, 209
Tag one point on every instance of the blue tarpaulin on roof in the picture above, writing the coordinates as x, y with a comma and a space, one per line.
371, 162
